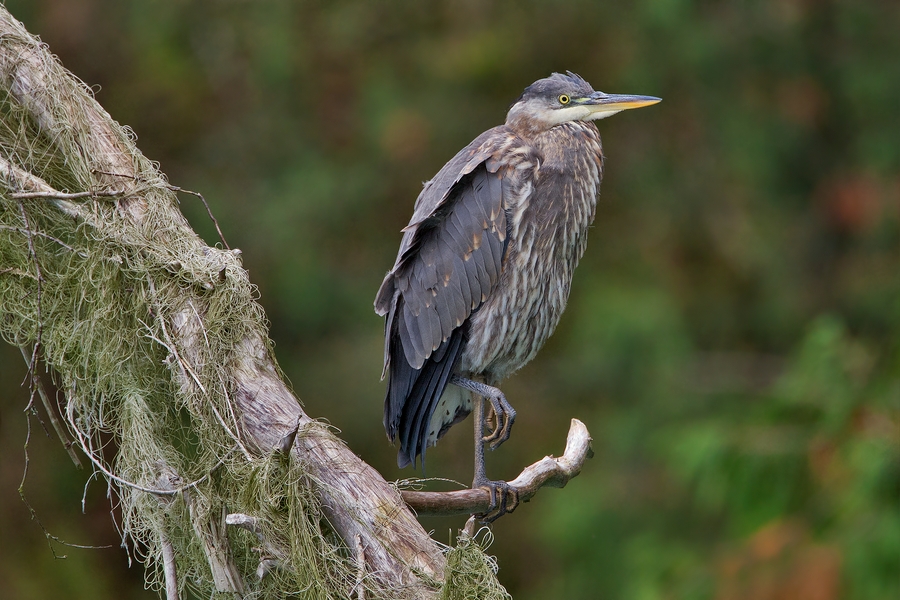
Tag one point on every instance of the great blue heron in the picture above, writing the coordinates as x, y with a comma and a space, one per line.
485, 264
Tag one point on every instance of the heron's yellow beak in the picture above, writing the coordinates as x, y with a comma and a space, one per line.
603, 105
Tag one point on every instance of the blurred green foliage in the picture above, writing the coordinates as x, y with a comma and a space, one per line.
732, 335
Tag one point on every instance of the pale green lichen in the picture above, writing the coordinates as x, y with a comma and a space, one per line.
471, 574
100, 301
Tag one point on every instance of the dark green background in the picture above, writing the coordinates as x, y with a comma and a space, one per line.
732, 336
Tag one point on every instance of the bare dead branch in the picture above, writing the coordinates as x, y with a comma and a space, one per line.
168, 480
66, 196
212, 218
176, 188
547, 472
210, 530
361, 570
14, 178
169, 571
51, 409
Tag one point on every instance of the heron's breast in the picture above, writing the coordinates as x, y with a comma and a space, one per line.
548, 236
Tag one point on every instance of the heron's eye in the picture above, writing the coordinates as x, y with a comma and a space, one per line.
563, 99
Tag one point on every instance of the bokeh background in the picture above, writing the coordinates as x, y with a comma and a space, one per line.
732, 335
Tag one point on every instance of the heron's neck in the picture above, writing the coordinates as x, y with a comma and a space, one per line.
567, 144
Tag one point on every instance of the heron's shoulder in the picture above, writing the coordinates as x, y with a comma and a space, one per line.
495, 148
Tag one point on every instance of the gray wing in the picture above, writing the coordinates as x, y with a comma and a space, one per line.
450, 259
451, 252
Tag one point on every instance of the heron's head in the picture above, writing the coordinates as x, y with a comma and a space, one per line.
562, 98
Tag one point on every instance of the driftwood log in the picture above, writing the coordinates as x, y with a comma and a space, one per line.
368, 513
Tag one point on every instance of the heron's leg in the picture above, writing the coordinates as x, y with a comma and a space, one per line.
504, 413
504, 498
478, 410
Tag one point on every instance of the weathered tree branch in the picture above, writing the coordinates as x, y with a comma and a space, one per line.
357, 501
549, 471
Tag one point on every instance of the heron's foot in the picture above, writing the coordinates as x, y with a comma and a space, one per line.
504, 499
501, 420
502, 413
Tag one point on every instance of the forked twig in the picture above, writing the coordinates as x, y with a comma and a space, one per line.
38, 385
177, 189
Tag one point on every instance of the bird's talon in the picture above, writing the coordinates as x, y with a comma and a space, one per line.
502, 415
504, 499
492, 424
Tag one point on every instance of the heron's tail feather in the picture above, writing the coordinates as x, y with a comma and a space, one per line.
413, 395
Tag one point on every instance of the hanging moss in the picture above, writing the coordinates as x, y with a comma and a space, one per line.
471, 574
100, 295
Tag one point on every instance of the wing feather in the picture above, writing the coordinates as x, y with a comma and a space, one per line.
493, 272
450, 259
410, 338
456, 304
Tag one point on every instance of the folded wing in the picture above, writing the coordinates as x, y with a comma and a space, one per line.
450, 259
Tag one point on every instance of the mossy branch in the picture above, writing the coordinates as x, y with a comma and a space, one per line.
146, 329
